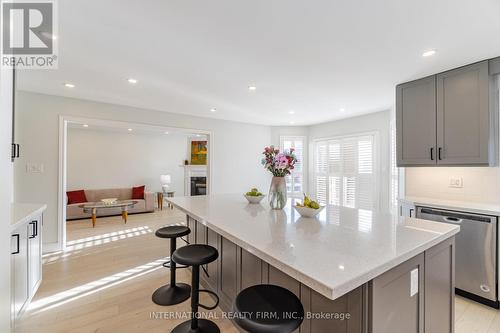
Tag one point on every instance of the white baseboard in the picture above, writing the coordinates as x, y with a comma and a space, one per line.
51, 247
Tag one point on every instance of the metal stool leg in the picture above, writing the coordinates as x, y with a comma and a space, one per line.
173, 293
195, 324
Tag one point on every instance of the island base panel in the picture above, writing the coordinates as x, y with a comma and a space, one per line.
386, 304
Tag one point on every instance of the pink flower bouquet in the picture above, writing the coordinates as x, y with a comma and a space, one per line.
279, 164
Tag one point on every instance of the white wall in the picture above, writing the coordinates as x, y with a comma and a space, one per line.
480, 183
5, 196
110, 159
375, 122
236, 147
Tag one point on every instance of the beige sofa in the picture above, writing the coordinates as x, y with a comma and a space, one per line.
143, 206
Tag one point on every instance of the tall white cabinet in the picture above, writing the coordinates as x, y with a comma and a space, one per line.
26, 256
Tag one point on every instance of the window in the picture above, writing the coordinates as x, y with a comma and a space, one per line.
394, 170
295, 182
344, 171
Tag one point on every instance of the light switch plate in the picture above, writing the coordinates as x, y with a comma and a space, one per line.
414, 282
456, 182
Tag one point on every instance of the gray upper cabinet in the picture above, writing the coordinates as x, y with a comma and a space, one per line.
448, 118
463, 115
416, 122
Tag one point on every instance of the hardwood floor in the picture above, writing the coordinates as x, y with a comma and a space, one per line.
105, 280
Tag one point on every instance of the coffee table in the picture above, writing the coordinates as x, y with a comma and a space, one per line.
93, 207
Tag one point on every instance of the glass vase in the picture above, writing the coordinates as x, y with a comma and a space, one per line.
277, 193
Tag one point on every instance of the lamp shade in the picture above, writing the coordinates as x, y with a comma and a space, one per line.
165, 179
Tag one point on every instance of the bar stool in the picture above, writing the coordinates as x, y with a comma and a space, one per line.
173, 293
266, 308
195, 256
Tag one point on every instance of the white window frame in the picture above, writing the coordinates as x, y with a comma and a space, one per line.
395, 173
304, 163
376, 163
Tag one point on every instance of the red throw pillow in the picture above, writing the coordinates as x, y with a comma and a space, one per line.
138, 192
75, 197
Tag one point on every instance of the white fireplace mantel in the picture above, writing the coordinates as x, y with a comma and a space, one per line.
191, 170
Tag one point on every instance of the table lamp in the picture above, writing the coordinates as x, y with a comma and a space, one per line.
165, 180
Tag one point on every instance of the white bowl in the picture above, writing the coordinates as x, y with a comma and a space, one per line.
308, 212
109, 201
254, 200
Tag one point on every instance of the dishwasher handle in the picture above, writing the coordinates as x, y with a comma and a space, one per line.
454, 217
451, 219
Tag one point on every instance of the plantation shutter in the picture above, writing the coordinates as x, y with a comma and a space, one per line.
295, 181
321, 165
344, 172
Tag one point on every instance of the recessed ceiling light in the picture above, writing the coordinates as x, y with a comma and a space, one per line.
252, 88
129, 129
132, 81
85, 125
166, 132
198, 135
291, 112
213, 109
342, 110
69, 85
429, 53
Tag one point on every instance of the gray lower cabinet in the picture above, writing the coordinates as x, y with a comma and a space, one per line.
439, 301
394, 305
191, 223
408, 298
252, 270
228, 278
448, 119
213, 267
281, 279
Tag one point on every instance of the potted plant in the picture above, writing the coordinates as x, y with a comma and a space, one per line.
280, 165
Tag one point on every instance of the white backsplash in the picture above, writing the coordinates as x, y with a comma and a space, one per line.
480, 184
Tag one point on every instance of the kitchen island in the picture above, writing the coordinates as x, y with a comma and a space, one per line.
354, 270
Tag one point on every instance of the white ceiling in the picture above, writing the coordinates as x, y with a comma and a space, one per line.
312, 57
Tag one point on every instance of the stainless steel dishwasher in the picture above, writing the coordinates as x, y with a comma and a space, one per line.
475, 252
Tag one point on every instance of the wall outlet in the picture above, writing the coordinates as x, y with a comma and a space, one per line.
34, 168
456, 182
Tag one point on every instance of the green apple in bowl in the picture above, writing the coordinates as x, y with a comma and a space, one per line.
254, 196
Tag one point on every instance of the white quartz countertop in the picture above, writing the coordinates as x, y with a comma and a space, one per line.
24, 212
334, 254
465, 206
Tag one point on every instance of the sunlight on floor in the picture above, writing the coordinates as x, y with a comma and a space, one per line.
74, 246
73, 294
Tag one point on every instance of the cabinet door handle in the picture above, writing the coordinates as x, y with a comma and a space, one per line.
13, 151
432, 153
17, 250
439, 153
17, 150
